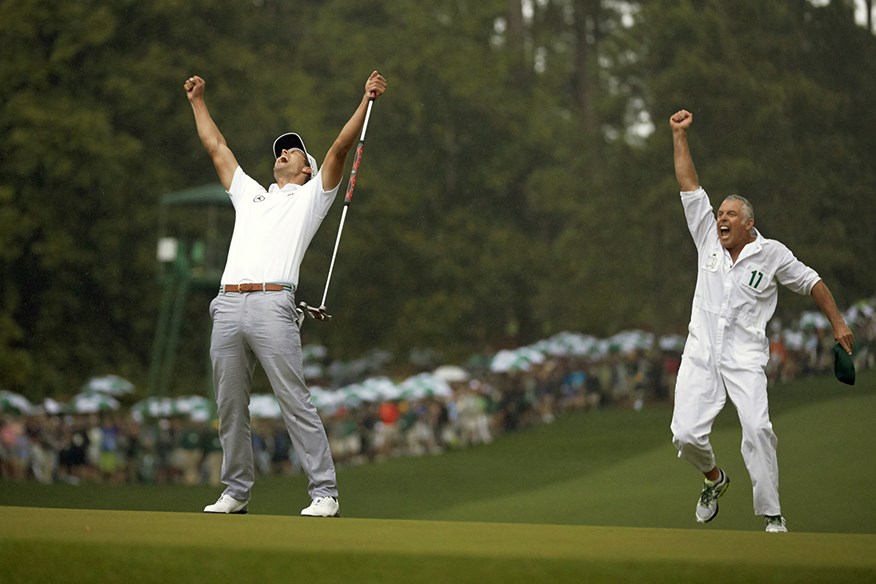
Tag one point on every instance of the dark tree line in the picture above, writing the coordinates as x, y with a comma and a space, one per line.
517, 179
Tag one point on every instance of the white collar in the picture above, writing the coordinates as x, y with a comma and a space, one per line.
289, 188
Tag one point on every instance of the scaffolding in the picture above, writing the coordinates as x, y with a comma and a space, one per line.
191, 256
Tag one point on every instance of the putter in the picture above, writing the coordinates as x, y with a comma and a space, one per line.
321, 313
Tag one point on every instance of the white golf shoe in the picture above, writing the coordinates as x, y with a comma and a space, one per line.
707, 506
227, 504
323, 507
775, 524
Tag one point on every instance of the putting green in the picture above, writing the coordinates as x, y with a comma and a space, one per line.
86, 545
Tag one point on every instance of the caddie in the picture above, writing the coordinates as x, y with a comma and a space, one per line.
727, 349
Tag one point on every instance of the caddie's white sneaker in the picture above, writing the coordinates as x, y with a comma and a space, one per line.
707, 506
227, 504
775, 524
323, 507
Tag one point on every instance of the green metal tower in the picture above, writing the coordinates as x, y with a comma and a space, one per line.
192, 248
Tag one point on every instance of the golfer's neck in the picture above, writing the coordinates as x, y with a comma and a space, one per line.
282, 181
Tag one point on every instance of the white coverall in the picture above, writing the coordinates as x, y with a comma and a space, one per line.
727, 347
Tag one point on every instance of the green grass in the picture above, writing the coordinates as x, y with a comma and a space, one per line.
61, 545
597, 495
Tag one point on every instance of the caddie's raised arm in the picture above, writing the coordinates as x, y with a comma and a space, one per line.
333, 165
211, 138
685, 172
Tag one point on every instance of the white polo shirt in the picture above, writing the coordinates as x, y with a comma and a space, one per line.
734, 301
273, 228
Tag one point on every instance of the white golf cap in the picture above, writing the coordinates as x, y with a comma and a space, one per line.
289, 141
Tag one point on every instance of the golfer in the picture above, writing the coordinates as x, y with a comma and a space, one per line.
254, 315
727, 349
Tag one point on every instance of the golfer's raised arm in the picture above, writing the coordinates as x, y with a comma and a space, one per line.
333, 166
212, 139
685, 172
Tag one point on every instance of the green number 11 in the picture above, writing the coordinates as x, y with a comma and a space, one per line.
758, 275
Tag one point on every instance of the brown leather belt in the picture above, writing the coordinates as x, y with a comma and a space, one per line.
245, 287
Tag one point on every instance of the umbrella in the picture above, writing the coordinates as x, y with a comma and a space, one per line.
264, 405
325, 400
520, 359
313, 352
52, 407
813, 319
672, 343
11, 402
91, 403
313, 371
108, 384
154, 407
862, 309
424, 385
372, 390
197, 407
382, 388
629, 341
451, 373
567, 344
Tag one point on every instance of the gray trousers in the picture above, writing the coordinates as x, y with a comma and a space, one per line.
263, 327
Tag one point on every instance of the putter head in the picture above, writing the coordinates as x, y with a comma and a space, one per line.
313, 312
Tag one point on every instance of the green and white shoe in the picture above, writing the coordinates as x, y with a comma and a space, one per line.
707, 506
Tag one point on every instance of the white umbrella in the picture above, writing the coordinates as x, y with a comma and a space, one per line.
197, 407
672, 343
313, 371
52, 407
108, 384
630, 341
313, 352
325, 400
264, 405
520, 359
814, 319
351, 395
451, 373
567, 343
381, 387
424, 385
154, 407
92, 403
11, 402
860, 309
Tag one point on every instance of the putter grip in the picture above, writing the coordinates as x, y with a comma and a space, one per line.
348, 196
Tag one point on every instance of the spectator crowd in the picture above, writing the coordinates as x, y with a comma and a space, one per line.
491, 396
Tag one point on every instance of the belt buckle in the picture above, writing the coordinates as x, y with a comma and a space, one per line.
244, 287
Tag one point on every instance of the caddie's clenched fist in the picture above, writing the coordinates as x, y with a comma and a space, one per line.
194, 87
681, 120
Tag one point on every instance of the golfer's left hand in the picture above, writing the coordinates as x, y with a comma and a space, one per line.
375, 86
